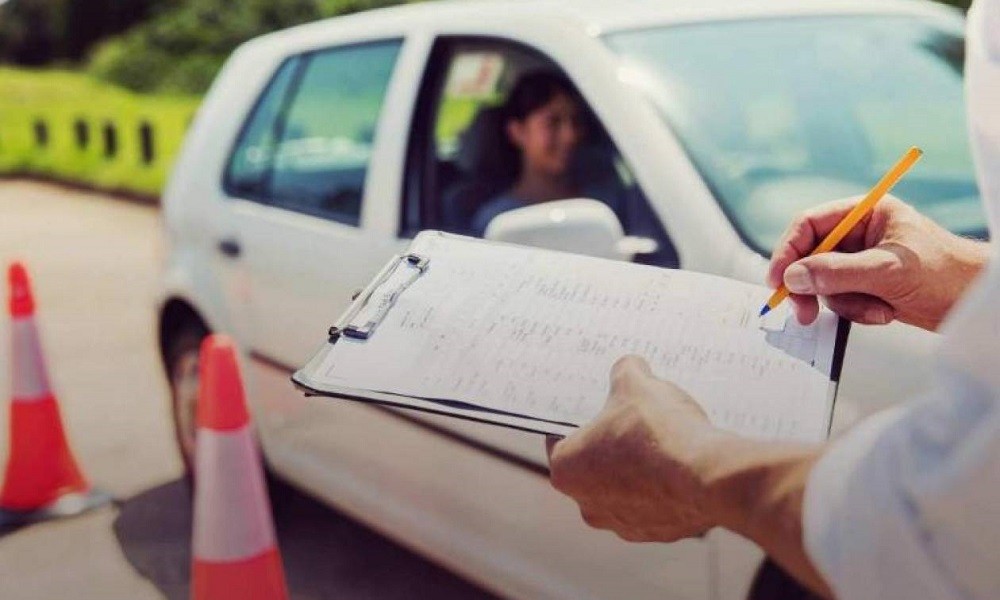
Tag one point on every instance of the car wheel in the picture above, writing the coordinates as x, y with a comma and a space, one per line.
182, 352
183, 349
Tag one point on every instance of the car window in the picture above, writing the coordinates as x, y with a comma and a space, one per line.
453, 141
461, 159
314, 156
473, 83
250, 164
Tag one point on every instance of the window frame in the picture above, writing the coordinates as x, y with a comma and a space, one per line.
227, 184
303, 60
418, 208
417, 211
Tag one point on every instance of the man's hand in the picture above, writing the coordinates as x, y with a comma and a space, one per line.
896, 264
633, 470
651, 467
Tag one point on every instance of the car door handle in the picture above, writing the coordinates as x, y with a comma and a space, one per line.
230, 247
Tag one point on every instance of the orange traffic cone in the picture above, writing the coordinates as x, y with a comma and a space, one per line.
235, 552
42, 480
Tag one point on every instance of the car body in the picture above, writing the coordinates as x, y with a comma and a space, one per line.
274, 268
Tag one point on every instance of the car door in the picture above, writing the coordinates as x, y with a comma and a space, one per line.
464, 86
300, 197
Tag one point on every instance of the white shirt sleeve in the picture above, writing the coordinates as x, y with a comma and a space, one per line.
907, 505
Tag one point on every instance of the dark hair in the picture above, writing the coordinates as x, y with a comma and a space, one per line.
535, 90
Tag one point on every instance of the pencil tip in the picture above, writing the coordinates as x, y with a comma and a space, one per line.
765, 310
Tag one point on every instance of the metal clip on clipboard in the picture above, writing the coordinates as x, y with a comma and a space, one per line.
350, 326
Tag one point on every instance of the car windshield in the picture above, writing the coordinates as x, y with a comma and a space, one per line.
782, 114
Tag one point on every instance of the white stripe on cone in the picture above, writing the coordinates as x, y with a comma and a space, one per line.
30, 380
232, 517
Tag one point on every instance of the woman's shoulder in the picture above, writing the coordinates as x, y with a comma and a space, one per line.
496, 205
502, 202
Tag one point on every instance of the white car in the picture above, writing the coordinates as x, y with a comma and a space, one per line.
322, 149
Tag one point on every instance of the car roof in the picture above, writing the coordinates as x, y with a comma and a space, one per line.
593, 17
602, 16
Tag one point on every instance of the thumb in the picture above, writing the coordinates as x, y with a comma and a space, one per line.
841, 273
550, 445
627, 376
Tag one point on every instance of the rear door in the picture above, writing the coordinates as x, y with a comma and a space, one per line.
300, 188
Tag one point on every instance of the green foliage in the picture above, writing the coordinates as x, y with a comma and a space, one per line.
38, 32
181, 50
127, 62
58, 101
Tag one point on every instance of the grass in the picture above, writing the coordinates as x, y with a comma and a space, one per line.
57, 124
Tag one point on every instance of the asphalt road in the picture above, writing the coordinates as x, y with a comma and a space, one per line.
94, 264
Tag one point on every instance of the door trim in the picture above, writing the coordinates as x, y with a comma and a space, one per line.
469, 442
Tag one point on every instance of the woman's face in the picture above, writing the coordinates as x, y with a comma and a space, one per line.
549, 135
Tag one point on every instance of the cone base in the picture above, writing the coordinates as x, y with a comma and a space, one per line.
41, 468
67, 506
257, 578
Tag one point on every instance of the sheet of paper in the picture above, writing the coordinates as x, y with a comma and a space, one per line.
535, 333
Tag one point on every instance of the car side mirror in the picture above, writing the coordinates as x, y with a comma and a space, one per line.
581, 226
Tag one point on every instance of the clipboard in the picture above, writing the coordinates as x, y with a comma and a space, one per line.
310, 388
377, 310
370, 308
366, 312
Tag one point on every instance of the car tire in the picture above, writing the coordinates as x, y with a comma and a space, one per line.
181, 352
181, 357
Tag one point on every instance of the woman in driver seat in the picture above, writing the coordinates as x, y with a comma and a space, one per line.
543, 120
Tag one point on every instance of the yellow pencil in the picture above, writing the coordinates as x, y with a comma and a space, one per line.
854, 217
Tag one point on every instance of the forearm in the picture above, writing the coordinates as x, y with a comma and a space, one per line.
966, 259
756, 489
971, 258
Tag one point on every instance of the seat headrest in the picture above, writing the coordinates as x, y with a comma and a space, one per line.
483, 148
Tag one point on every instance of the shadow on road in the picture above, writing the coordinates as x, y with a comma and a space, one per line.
6, 530
154, 531
326, 554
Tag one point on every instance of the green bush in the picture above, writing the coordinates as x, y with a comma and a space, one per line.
181, 50
192, 73
127, 63
45, 32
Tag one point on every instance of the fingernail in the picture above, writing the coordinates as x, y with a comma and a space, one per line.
798, 280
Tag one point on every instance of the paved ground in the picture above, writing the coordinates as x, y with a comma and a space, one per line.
94, 263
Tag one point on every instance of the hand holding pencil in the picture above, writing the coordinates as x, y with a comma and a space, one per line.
852, 218
894, 264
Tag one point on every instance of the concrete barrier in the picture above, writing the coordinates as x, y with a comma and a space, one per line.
70, 127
